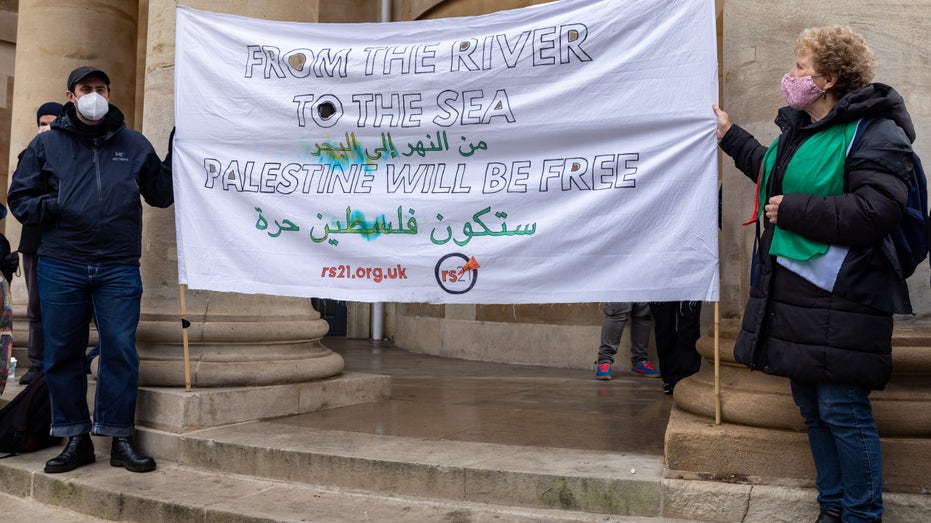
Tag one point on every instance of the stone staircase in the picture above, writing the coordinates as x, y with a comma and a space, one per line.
219, 463
275, 471
238, 469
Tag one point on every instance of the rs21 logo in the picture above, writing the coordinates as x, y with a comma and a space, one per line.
456, 273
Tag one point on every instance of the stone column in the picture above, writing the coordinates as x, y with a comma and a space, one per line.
54, 37
234, 339
762, 433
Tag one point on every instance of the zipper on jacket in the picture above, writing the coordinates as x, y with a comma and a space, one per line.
99, 188
97, 175
783, 157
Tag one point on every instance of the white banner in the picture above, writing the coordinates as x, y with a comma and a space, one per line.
552, 154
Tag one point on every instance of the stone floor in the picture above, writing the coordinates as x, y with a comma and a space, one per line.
441, 398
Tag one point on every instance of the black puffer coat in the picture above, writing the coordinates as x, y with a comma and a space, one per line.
81, 184
793, 328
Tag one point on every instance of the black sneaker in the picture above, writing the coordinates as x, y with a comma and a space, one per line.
29, 376
668, 387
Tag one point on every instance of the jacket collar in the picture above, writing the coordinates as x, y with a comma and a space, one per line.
875, 100
68, 122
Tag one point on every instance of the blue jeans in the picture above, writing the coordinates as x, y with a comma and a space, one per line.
845, 446
69, 292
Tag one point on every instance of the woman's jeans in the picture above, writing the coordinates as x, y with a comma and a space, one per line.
69, 292
845, 447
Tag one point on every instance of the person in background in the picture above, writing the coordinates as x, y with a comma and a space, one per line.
7, 363
46, 114
81, 182
612, 328
821, 312
28, 245
677, 327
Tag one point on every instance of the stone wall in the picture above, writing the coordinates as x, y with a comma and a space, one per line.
555, 335
754, 58
8, 20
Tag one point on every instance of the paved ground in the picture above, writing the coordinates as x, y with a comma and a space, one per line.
441, 398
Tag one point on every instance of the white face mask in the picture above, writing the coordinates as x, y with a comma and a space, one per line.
93, 106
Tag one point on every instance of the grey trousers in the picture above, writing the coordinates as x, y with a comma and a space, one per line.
612, 328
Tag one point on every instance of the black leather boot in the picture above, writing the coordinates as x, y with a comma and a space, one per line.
124, 454
78, 451
831, 515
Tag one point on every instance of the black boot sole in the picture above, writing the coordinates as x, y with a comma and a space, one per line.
114, 462
67, 467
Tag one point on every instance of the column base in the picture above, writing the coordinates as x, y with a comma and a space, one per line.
762, 438
173, 410
696, 448
234, 340
236, 365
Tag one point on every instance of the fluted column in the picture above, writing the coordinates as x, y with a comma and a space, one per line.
54, 37
235, 339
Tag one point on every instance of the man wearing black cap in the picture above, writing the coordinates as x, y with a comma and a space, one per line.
46, 114
81, 183
28, 245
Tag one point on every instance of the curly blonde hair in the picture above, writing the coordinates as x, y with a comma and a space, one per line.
838, 51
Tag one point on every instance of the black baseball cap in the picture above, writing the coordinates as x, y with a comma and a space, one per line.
83, 72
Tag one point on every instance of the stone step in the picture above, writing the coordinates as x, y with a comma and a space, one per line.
581, 482
177, 493
15, 509
591, 481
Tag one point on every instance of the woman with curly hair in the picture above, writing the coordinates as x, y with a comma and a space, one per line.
821, 310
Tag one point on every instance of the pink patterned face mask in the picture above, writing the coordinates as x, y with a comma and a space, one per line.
800, 91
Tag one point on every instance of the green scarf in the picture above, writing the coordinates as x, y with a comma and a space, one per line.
816, 168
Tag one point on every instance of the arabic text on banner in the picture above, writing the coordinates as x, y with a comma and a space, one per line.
558, 153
